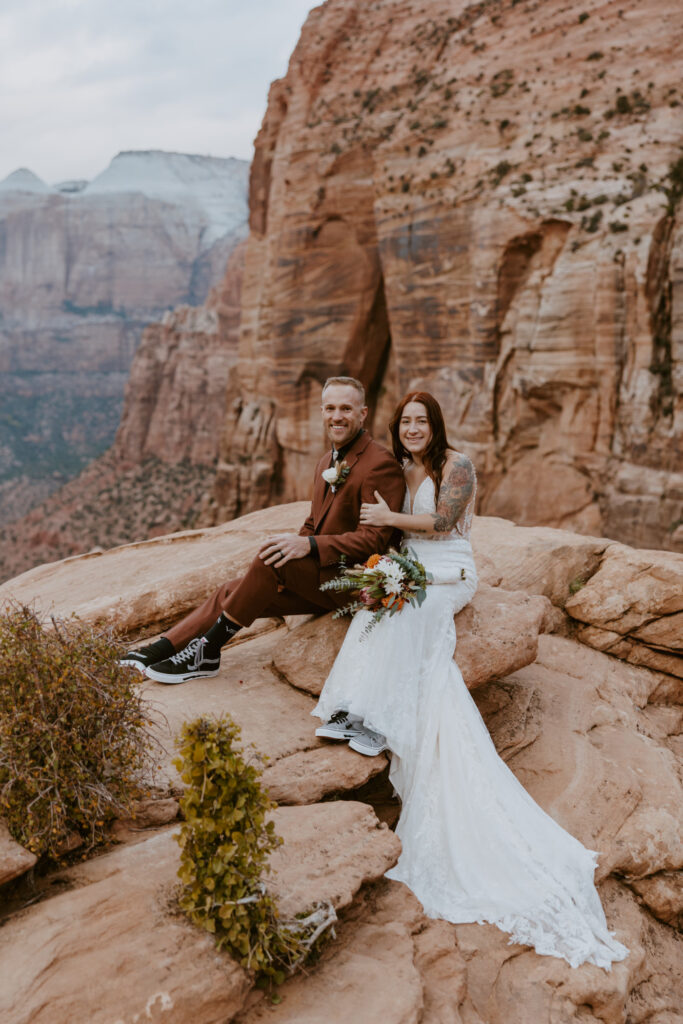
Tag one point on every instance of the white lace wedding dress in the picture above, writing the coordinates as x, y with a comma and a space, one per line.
476, 847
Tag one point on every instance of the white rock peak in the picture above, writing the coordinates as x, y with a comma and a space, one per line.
214, 187
217, 185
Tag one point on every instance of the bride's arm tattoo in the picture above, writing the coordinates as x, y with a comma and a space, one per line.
454, 494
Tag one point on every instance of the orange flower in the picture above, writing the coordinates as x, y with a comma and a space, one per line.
372, 561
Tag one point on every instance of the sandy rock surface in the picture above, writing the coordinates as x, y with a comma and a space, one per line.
540, 560
497, 633
589, 738
107, 948
327, 769
633, 607
14, 859
140, 588
597, 741
577, 729
392, 961
330, 850
114, 927
274, 718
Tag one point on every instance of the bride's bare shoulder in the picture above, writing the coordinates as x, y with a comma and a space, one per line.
456, 458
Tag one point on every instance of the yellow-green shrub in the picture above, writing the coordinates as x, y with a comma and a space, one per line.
226, 841
74, 742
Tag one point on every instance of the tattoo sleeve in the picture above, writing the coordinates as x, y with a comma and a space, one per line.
454, 494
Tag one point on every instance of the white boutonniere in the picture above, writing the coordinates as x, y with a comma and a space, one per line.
336, 474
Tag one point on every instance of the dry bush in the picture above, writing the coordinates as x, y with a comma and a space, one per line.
75, 745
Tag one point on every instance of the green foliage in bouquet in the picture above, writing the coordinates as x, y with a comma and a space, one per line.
226, 841
75, 747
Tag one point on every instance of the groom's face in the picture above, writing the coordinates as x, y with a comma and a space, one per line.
343, 413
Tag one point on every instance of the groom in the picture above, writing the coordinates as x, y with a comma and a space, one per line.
285, 576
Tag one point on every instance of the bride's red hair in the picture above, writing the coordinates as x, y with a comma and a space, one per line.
434, 457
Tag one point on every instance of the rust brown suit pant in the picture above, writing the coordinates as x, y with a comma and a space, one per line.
262, 592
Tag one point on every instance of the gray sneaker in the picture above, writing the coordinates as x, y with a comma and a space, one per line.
368, 742
339, 727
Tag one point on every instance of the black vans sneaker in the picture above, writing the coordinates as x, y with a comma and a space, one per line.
190, 663
145, 657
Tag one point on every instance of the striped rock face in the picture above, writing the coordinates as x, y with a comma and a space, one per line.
478, 200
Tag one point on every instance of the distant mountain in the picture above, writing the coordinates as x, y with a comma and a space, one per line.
84, 266
216, 186
23, 180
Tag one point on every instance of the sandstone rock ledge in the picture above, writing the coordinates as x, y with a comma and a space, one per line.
114, 929
594, 737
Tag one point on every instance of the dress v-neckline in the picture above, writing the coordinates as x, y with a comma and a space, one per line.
417, 491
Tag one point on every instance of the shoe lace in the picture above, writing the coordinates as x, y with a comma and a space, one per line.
192, 653
339, 716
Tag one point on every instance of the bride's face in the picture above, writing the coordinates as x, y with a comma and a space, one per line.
414, 429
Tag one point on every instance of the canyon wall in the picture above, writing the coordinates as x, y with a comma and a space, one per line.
477, 199
159, 474
82, 272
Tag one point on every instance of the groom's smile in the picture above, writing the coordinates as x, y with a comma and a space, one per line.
343, 413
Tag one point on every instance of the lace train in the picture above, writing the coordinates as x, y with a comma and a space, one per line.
476, 847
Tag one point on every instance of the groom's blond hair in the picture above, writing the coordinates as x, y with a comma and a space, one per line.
349, 382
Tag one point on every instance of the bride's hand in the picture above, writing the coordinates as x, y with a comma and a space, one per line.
375, 515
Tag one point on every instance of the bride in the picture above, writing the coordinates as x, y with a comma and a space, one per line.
476, 847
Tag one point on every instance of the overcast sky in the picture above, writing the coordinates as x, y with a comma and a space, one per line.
81, 80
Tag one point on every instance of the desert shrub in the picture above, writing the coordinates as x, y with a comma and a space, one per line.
499, 171
592, 223
501, 82
75, 748
226, 841
673, 190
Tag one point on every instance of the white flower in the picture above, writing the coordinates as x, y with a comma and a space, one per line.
391, 586
392, 570
330, 475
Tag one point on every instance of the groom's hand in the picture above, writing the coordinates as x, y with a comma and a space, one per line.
283, 547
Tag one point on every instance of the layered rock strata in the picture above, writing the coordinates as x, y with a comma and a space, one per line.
159, 475
482, 200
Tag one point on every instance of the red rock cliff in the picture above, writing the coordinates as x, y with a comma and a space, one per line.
478, 199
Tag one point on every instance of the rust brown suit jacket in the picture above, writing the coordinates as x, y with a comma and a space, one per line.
334, 518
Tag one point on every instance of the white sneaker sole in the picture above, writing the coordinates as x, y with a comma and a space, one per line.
132, 664
329, 734
362, 748
170, 680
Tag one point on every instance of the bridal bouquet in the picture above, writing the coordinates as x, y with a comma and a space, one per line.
382, 585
